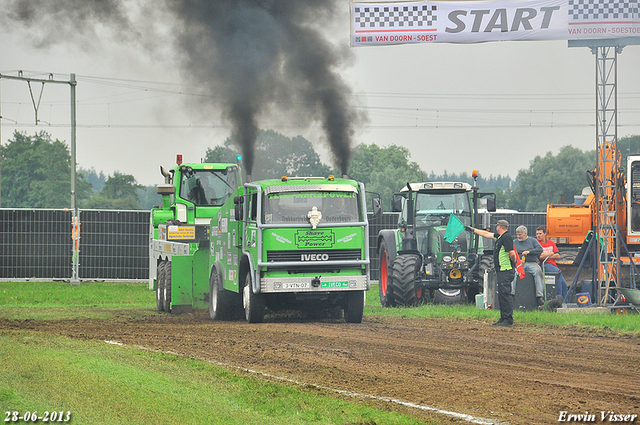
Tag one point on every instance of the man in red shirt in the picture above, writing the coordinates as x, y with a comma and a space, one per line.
550, 253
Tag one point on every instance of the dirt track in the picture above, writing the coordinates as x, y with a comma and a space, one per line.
521, 375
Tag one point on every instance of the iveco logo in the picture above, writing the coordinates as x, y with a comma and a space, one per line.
314, 257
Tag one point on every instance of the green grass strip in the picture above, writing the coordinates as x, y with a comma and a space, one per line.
105, 384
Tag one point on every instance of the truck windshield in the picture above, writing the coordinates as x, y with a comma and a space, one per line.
288, 207
433, 209
208, 187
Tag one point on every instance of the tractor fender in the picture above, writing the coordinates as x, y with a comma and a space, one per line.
389, 238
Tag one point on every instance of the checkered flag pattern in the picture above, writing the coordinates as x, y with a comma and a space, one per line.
593, 10
395, 16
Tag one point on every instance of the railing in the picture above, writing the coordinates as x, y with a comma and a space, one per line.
36, 244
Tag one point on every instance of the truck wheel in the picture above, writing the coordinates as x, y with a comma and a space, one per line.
384, 287
448, 296
221, 301
160, 286
253, 303
167, 287
355, 307
405, 273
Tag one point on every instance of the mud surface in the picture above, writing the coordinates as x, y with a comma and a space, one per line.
521, 375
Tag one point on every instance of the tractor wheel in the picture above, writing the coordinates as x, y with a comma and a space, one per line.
222, 303
160, 273
167, 287
355, 307
486, 264
384, 287
449, 296
253, 303
405, 273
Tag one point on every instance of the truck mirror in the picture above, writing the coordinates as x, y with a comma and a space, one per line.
238, 211
238, 200
491, 204
396, 202
377, 207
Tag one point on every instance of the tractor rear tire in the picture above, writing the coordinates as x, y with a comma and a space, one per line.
384, 284
167, 287
253, 303
405, 274
160, 273
354, 307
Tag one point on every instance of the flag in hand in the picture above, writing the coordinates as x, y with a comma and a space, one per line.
519, 266
454, 228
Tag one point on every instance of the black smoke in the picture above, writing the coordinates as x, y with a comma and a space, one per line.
256, 58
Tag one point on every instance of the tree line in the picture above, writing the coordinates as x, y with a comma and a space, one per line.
36, 169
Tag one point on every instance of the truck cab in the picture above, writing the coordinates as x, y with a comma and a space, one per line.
292, 243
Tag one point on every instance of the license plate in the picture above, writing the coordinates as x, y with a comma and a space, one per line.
336, 284
295, 285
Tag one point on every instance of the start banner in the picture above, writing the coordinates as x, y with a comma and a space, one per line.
482, 21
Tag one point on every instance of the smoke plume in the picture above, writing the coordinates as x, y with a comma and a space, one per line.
256, 58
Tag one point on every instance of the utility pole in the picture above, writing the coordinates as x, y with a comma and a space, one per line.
74, 207
607, 177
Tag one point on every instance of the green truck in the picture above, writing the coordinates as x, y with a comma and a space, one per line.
291, 243
192, 194
282, 244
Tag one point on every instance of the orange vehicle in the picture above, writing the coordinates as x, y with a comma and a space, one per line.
568, 224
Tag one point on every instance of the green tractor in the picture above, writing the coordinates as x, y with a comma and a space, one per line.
416, 263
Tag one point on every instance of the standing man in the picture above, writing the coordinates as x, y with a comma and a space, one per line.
504, 257
550, 253
529, 250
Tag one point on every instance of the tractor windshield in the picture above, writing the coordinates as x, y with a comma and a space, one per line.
208, 187
291, 207
433, 209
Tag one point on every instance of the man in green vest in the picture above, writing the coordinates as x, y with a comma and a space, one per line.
504, 257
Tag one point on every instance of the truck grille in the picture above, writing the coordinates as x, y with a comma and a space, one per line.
314, 255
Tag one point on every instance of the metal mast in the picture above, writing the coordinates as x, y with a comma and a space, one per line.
608, 179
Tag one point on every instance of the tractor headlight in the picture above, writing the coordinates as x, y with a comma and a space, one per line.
446, 258
462, 258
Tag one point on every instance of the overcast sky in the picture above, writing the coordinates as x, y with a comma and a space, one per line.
491, 106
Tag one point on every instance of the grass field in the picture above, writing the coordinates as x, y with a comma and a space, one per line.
102, 383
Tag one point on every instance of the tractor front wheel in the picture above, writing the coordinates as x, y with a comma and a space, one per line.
404, 277
449, 296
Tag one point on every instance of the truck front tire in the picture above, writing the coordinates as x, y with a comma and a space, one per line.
221, 301
355, 307
253, 303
